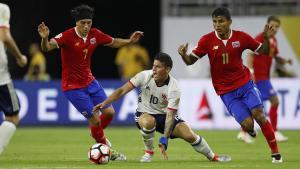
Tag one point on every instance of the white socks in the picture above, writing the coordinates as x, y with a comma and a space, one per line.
148, 136
201, 146
7, 130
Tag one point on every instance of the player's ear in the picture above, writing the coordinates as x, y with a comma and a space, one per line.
230, 21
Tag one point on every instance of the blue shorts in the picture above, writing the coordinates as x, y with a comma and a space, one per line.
160, 120
266, 89
85, 99
241, 101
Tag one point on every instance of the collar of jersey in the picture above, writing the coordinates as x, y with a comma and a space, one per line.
84, 38
166, 82
224, 39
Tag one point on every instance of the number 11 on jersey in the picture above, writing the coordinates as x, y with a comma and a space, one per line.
225, 58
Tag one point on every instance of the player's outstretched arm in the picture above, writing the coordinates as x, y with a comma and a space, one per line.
44, 34
187, 58
127, 87
119, 42
163, 141
12, 47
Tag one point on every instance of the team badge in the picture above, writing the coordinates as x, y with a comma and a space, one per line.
216, 47
235, 44
93, 41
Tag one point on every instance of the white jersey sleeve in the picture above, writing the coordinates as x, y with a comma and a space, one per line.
173, 96
4, 15
141, 78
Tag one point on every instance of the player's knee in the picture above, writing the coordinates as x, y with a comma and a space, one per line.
109, 112
14, 119
274, 101
259, 116
147, 122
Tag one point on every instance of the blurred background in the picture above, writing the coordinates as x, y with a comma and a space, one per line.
166, 24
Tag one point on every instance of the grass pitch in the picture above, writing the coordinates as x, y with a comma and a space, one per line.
66, 148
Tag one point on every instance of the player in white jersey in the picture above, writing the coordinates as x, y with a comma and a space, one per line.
9, 103
157, 110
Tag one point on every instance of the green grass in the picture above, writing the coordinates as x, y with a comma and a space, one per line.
66, 148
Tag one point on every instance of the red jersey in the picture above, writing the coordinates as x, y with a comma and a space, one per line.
76, 55
262, 63
225, 57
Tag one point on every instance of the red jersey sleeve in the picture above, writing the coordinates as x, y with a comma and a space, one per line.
250, 43
200, 50
60, 39
103, 39
260, 38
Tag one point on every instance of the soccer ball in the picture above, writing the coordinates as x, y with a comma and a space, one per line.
99, 154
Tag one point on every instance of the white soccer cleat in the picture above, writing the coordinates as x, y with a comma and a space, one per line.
244, 136
221, 158
147, 157
276, 158
117, 156
280, 137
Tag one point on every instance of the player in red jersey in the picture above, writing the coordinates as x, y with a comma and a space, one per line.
78, 84
231, 79
260, 65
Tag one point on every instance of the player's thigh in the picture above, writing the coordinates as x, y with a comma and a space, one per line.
146, 121
9, 102
97, 92
236, 107
81, 101
266, 89
183, 130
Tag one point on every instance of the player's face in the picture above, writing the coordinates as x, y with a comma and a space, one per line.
160, 71
83, 26
275, 25
222, 26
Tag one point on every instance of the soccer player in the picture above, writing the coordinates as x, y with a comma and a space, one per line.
9, 103
157, 110
260, 65
78, 84
231, 79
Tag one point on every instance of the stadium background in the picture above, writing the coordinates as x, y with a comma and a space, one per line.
47, 137
166, 25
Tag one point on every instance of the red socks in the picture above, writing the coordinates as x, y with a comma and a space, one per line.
97, 131
105, 120
268, 132
98, 134
273, 116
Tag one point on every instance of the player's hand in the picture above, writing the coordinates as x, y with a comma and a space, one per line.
268, 31
183, 49
43, 30
135, 37
163, 145
22, 61
98, 107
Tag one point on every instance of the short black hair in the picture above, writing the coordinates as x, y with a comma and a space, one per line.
273, 18
82, 12
165, 59
221, 11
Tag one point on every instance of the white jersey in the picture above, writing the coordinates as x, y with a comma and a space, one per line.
4, 23
155, 99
